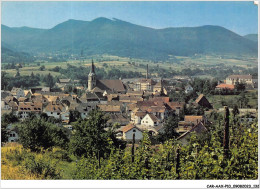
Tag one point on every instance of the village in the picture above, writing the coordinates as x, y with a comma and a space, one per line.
132, 105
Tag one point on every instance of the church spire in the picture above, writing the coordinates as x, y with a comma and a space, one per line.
92, 67
92, 77
147, 72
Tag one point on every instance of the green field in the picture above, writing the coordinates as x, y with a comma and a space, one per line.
216, 100
139, 65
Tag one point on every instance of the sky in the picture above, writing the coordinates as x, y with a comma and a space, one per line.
237, 16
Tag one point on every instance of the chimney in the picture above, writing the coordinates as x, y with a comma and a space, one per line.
147, 71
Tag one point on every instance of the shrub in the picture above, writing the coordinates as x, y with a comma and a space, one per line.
41, 166
37, 133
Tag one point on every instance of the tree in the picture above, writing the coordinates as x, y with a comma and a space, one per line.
5, 120
4, 80
9, 118
32, 75
243, 100
240, 86
17, 73
74, 115
169, 129
235, 110
42, 68
68, 89
37, 133
90, 137
49, 81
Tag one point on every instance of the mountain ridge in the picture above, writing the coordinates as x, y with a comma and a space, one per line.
118, 37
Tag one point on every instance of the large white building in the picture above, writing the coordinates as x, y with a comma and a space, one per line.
249, 80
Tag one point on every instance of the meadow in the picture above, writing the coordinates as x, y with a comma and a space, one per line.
218, 100
109, 62
22, 164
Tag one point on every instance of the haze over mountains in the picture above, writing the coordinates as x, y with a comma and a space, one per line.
117, 37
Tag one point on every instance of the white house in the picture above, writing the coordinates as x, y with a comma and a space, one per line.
188, 89
128, 132
137, 115
17, 92
150, 120
55, 109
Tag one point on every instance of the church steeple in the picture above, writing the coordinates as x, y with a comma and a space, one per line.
147, 72
92, 67
92, 77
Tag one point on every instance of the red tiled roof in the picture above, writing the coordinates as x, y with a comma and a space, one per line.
174, 105
153, 109
140, 114
193, 119
225, 86
30, 106
128, 127
131, 106
109, 108
240, 76
146, 103
198, 128
116, 85
199, 98
55, 108
160, 99
150, 81
153, 117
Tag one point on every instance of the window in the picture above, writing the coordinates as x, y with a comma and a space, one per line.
134, 130
58, 113
51, 112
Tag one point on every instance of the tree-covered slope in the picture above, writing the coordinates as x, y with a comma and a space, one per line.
252, 37
122, 38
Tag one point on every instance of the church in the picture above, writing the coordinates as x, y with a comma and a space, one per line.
108, 85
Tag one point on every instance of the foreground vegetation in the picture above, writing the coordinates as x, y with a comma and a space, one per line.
93, 153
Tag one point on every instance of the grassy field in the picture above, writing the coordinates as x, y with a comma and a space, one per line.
128, 64
217, 99
20, 164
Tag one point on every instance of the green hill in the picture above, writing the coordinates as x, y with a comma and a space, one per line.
8, 55
252, 37
117, 37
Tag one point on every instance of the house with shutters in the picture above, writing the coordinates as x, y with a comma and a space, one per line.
25, 108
